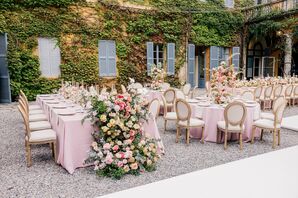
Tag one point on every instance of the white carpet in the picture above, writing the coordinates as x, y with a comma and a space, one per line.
290, 123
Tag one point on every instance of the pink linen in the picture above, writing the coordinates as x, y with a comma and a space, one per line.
74, 138
214, 113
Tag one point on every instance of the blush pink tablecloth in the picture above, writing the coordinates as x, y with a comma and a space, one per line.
74, 137
214, 113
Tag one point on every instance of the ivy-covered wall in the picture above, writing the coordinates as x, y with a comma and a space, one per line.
78, 26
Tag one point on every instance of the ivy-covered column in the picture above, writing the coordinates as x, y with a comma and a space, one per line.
288, 53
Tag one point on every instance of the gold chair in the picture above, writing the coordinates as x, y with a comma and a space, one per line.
288, 93
234, 115
170, 96
295, 95
154, 108
37, 137
258, 93
271, 125
168, 116
267, 97
184, 120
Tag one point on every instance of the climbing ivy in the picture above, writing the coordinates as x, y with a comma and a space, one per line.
78, 27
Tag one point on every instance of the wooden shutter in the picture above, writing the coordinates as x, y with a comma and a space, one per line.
191, 65
49, 57
55, 58
229, 3
44, 57
5, 95
103, 58
171, 58
149, 56
214, 57
111, 58
236, 57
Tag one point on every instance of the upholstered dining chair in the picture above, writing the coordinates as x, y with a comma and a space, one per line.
288, 93
170, 96
208, 88
277, 92
33, 117
295, 94
258, 93
168, 116
165, 86
138, 85
247, 95
36, 123
154, 108
180, 94
103, 90
234, 115
195, 92
123, 89
271, 125
47, 136
276, 103
267, 97
184, 120
186, 89
31, 107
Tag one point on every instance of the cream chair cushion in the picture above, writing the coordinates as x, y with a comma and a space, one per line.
222, 125
43, 135
34, 107
36, 112
171, 116
41, 125
265, 123
267, 115
37, 117
193, 122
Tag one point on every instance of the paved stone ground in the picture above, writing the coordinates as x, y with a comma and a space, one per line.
46, 179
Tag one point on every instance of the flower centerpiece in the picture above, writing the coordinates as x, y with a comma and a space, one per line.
119, 147
157, 74
222, 79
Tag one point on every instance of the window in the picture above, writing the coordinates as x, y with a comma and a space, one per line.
49, 57
107, 58
229, 3
224, 55
157, 53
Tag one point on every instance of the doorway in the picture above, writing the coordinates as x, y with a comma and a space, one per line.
295, 60
201, 65
5, 96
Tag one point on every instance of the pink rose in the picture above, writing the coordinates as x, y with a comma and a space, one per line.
115, 148
106, 146
120, 164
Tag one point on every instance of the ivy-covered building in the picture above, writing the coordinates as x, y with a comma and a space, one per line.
106, 42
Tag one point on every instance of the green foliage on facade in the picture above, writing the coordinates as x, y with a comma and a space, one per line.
78, 27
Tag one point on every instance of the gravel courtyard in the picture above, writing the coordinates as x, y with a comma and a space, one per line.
46, 179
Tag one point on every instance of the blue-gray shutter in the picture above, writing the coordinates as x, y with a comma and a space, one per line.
149, 56
214, 57
236, 57
103, 58
111, 58
229, 3
49, 57
191, 65
5, 95
171, 58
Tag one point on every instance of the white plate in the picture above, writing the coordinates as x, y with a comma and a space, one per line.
53, 102
60, 107
201, 98
49, 98
250, 101
204, 104
250, 105
67, 113
192, 100
45, 95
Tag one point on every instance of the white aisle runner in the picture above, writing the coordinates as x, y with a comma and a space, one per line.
273, 175
290, 123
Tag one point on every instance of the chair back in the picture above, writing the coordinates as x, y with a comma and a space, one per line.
138, 85
186, 89
289, 90
277, 91
103, 90
165, 106
277, 102
179, 94
208, 88
258, 93
278, 115
248, 95
195, 92
268, 92
296, 90
170, 96
97, 89
123, 89
154, 107
183, 110
165, 86
25, 119
235, 114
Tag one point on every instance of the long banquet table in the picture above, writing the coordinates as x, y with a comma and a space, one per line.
74, 136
